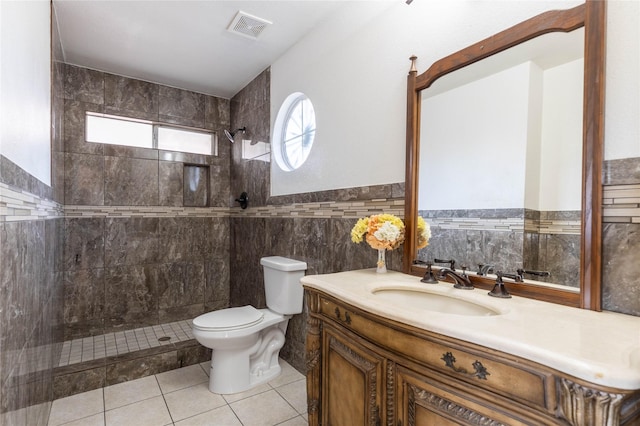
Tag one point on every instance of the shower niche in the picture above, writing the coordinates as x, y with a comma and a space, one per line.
195, 190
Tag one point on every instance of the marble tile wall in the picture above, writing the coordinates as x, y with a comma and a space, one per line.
141, 246
97, 174
472, 237
509, 239
621, 236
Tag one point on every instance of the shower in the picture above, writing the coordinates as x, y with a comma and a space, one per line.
230, 135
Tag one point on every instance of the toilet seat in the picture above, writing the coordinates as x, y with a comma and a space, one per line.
229, 319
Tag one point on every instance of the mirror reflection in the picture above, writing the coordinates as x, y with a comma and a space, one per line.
500, 172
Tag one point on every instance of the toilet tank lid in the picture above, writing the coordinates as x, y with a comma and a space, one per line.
283, 263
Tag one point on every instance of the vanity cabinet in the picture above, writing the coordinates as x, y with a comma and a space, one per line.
364, 369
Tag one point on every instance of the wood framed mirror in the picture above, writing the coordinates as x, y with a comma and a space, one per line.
590, 17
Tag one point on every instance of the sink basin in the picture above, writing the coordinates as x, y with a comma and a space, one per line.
405, 298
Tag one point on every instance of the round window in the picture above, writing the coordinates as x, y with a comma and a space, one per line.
294, 131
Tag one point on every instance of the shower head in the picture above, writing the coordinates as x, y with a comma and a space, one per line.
230, 135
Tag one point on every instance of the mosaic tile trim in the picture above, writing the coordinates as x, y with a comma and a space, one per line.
478, 224
353, 209
122, 342
17, 205
542, 226
144, 211
621, 204
555, 227
321, 210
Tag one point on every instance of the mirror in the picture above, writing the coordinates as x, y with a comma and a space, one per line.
517, 196
522, 115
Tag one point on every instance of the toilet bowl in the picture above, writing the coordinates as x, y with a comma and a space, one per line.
246, 341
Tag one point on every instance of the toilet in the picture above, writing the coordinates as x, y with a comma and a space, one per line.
246, 341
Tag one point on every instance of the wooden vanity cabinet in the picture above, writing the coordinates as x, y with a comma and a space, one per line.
367, 370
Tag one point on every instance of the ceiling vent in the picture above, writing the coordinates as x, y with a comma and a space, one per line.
248, 25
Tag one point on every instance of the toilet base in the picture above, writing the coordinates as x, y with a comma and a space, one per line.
225, 388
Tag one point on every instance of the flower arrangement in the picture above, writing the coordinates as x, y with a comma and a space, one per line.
424, 233
381, 231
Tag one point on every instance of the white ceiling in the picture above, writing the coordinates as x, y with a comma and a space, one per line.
183, 44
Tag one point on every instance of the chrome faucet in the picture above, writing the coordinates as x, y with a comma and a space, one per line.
461, 281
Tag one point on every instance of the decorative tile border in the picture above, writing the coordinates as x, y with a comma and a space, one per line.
554, 227
621, 204
325, 210
478, 224
17, 205
339, 210
144, 211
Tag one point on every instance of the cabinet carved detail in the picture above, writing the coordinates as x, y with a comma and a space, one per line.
391, 374
313, 355
446, 407
347, 317
580, 405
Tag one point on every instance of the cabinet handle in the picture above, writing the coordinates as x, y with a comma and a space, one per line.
347, 317
479, 370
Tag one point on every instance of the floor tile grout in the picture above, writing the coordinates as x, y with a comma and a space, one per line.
191, 381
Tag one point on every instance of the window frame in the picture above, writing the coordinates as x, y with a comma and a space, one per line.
155, 125
283, 118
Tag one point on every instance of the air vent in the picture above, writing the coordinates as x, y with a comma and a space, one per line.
248, 25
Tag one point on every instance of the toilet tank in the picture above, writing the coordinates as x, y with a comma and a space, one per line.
282, 286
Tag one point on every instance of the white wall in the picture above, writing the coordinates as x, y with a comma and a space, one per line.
475, 139
622, 91
25, 86
354, 70
560, 185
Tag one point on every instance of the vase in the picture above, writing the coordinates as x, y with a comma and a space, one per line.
382, 262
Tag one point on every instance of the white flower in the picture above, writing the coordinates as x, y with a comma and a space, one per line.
387, 232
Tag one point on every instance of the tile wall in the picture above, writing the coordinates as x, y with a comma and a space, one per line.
621, 236
142, 245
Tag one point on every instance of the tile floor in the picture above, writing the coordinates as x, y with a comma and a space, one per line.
122, 342
181, 397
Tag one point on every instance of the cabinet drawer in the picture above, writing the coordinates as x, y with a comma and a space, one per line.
464, 362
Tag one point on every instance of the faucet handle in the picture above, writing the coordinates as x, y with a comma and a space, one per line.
451, 262
464, 270
429, 278
499, 289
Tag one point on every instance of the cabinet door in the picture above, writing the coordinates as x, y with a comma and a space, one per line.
423, 401
352, 381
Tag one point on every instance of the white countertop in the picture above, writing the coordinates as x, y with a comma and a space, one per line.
600, 347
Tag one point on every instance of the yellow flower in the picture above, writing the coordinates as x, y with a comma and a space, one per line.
424, 233
358, 231
383, 231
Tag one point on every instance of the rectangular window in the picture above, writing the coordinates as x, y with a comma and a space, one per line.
175, 139
116, 130
101, 128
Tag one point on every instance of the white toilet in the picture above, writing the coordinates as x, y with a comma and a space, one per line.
246, 341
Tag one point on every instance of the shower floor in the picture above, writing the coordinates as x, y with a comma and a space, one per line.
122, 342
